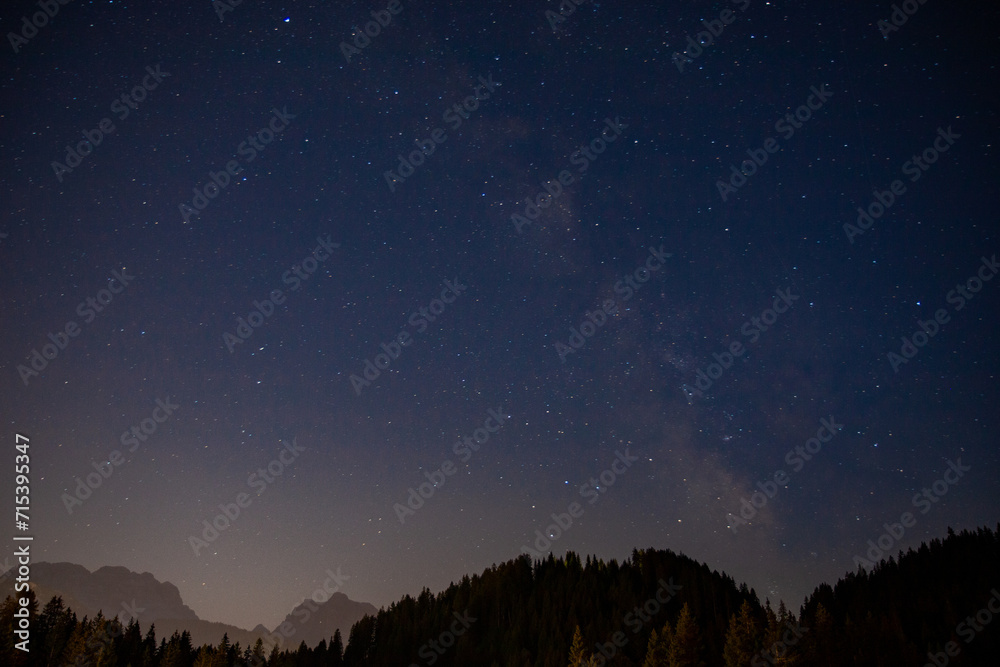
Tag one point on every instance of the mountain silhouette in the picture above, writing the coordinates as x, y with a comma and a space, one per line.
311, 622
118, 591
931, 604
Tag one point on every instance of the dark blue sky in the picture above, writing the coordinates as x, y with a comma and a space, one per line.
255, 223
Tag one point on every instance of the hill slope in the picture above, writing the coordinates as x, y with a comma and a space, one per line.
933, 604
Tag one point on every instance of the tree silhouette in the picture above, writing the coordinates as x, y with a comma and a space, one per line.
577, 653
742, 638
657, 650
685, 649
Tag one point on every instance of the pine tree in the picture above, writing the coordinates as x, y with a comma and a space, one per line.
576, 650
685, 649
779, 652
95, 643
826, 635
176, 652
257, 657
742, 638
55, 625
336, 651
667, 640
75, 652
222, 652
657, 651
206, 657
360, 640
319, 653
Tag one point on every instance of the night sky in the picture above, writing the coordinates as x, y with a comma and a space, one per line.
525, 260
